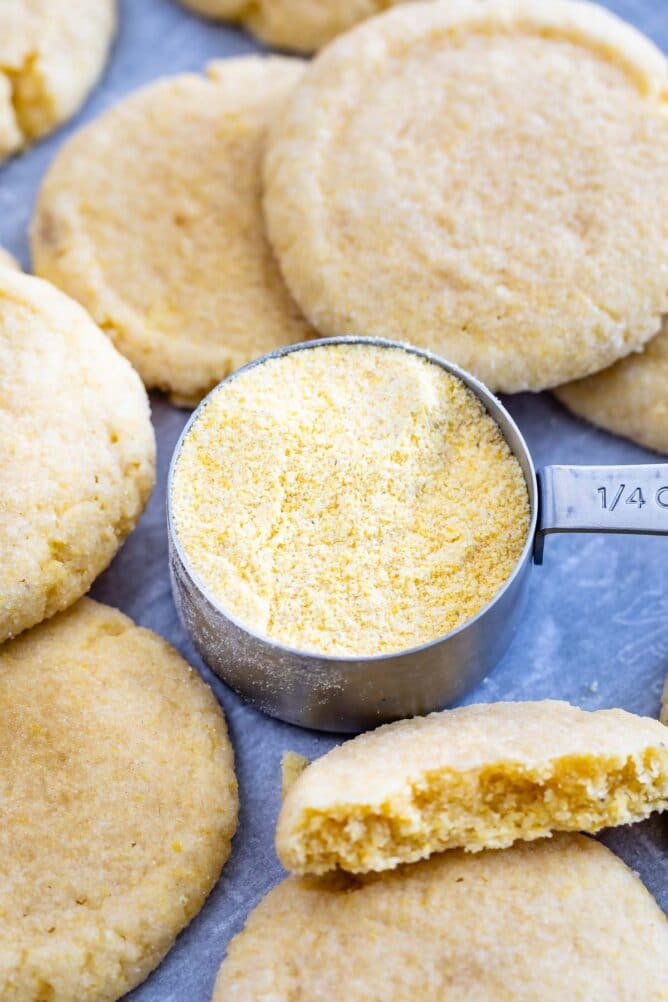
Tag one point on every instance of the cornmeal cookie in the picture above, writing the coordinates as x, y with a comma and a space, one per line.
7, 260
77, 451
477, 777
119, 804
300, 25
630, 397
558, 919
664, 703
349, 499
151, 217
51, 54
483, 179
306, 25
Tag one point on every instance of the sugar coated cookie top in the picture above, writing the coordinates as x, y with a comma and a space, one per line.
119, 804
556, 919
77, 451
151, 217
482, 179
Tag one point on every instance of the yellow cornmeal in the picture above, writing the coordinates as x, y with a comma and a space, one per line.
349, 499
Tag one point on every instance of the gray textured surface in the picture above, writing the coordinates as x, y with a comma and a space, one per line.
596, 629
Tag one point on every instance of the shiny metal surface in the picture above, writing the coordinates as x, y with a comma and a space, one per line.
345, 694
627, 499
352, 694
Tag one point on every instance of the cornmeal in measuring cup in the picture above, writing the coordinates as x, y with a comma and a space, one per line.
350, 499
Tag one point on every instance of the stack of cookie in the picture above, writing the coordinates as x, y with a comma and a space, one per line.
488, 180
550, 918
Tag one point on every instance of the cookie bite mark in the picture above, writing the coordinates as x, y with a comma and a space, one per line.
477, 777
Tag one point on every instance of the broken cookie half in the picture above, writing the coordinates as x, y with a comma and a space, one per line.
474, 778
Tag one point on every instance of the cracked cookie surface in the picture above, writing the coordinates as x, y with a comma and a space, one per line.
476, 777
51, 54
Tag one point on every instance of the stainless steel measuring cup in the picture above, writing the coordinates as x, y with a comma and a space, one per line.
356, 693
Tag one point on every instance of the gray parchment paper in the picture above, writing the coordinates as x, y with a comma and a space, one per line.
596, 628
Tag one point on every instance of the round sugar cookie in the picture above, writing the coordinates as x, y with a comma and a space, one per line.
77, 451
51, 54
556, 919
487, 180
630, 397
151, 217
300, 25
477, 777
119, 803
7, 260
307, 25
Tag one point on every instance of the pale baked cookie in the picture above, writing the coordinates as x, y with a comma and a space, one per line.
477, 777
118, 808
163, 241
558, 919
300, 25
484, 179
630, 398
7, 260
51, 54
77, 451
349, 499
307, 25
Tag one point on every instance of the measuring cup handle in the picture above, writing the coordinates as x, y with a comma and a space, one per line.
630, 499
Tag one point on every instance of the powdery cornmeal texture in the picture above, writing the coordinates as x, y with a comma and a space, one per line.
77, 451
151, 217
51, 54
556, 920
349, 499
483, 179
630, 397
478, 777
119, 803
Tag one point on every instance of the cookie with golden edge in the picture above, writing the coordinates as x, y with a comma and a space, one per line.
299, 25
664, 703
556, 919
119, 804
477, 777
77, 451
7, 260
307, 25
51, 55
164, 241
481, 179
629, 398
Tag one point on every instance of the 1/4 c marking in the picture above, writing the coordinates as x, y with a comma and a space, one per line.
634, 495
